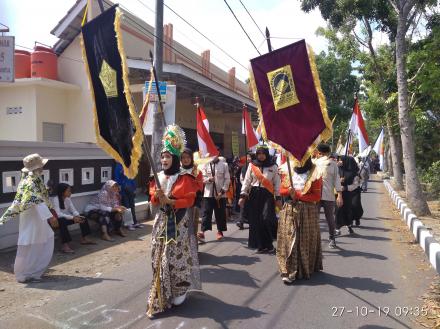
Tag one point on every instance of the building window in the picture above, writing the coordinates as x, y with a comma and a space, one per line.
66, 176
87, 176
46, 176
53, 132
106, 174
10, 181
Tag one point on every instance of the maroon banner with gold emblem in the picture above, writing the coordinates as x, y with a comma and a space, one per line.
290, 102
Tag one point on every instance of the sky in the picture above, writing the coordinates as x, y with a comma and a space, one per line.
32, 20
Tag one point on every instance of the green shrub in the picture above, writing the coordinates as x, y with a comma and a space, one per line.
432, 178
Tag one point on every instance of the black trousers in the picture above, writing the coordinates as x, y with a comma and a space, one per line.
210, 205
127, 200
64, 231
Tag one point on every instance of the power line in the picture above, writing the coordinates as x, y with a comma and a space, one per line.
242, 27
142, 30
203, 35
253, 20
61, 56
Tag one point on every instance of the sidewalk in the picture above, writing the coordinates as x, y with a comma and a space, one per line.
88, 261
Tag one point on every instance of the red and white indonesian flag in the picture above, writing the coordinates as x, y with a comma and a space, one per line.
206, 144
357, 127
248, 130
144, 111
379, 148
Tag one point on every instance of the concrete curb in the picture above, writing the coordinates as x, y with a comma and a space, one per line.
420, 232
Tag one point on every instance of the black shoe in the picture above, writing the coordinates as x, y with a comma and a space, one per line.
240, 225
261, 251
271, 251
350, 230
357, 222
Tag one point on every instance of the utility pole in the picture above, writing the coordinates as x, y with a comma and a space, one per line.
158, 126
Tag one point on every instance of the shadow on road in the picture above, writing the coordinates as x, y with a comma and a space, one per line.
369, 237
372, 228
354, 253
358, 283
201, 305
222, 275
52, 282
210, 259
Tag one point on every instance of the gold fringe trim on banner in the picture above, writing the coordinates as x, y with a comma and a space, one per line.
137, 139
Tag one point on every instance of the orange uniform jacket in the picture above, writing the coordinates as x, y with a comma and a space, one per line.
183, 191
312, 195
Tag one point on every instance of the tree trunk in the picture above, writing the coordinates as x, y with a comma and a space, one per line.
396, 158
389, 161
414, 193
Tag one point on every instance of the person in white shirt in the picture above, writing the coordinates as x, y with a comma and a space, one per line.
331, 184
68, 215
216, 179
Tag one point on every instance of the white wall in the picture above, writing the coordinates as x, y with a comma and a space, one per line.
21, 127
51, 107
79, 114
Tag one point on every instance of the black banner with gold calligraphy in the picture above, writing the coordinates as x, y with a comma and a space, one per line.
118, 131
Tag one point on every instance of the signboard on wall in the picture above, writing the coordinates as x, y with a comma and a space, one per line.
169, 109
153, 91
235, 144
7, 46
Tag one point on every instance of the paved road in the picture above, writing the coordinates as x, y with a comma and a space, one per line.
243, 290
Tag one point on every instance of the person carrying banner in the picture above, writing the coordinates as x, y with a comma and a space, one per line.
216, 179
299, 252
171, 258
330, 184
261, 186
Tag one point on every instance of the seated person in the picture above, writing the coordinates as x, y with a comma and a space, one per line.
68, 215
107, 205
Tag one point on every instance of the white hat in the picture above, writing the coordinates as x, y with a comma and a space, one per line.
33, 162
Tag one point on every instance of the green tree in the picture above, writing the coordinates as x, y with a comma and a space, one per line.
394, 17
339, 85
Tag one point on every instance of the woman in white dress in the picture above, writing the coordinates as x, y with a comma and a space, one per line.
35, 236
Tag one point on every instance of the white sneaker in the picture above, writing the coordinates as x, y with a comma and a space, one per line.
179, 300
286, 280
130, 227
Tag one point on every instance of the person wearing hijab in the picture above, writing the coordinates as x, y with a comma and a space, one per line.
299, 252
68, 215
189, 167
348, 172
260, 189
35, 237
107, 205
171, 258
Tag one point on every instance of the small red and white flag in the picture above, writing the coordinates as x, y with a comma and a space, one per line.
144, 111
357, 127
248, 130
206, 144
379, 148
